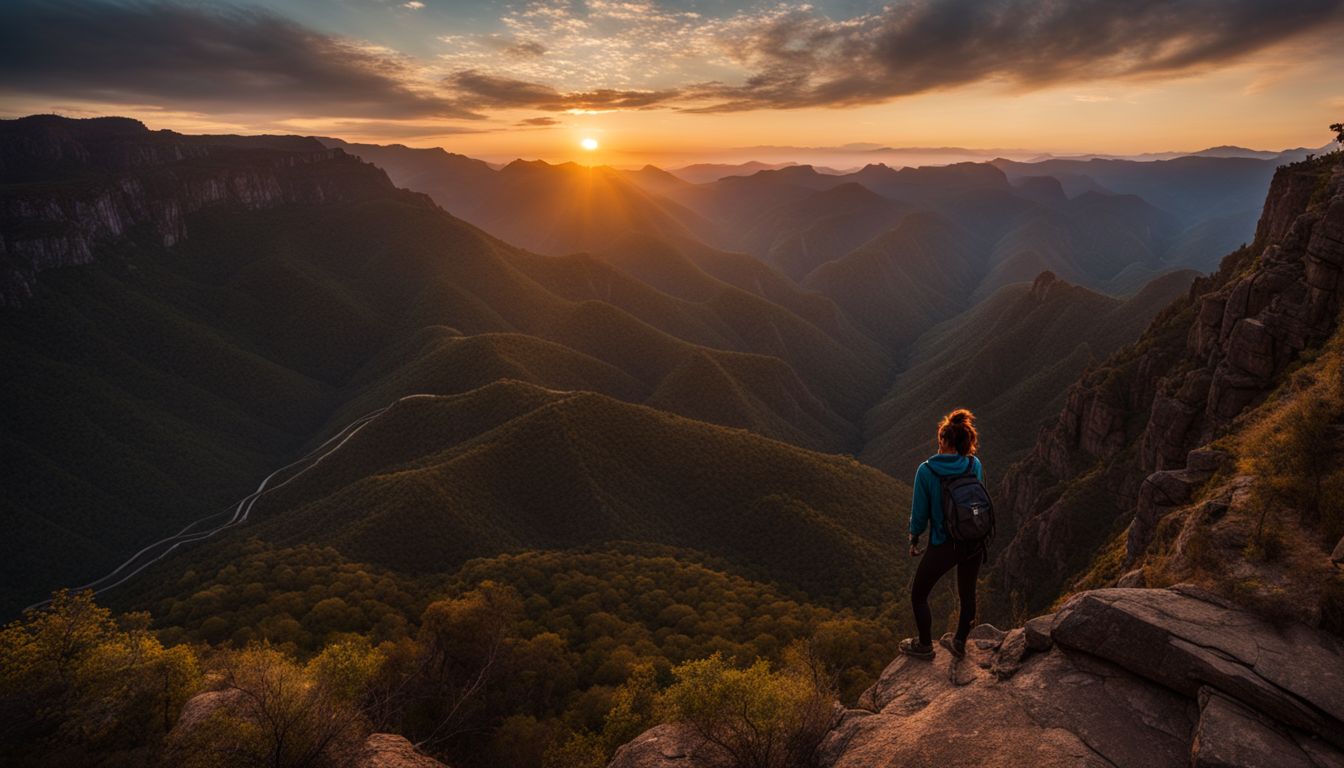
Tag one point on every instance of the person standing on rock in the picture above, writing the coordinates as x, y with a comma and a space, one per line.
951, 503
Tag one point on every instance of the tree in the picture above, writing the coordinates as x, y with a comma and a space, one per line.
1338, 128
439, 680
632, 707
76, 682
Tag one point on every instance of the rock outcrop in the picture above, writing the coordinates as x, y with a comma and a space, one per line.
664, 746
123, 182
1117, 677
388, 750
1127, 448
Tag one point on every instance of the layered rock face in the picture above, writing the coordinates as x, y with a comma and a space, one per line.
126, 182
1116, 677
1125, 446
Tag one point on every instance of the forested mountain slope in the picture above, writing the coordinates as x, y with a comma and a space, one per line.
183, 314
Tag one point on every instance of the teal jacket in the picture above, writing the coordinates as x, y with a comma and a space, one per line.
926, 508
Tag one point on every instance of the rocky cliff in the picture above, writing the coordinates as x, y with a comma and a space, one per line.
71, 190
1115, 678
1131, 442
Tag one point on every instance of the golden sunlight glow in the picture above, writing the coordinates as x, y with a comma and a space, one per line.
589, 144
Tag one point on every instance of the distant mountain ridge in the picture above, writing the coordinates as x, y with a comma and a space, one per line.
286, 288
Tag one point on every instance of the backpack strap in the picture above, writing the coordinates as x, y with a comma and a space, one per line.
971, 464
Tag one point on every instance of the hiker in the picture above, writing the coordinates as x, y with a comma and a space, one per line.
949, 501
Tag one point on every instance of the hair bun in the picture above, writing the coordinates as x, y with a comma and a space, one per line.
960, 417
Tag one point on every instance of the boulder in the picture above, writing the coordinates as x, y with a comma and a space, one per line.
388, 750
1294, 674
1009, 658
670, 745
1231, 736
1132, 578
1206, 461
203, 705
1160, 493
1037, 633
985, 636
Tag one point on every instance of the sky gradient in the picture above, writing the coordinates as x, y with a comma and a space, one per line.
680, 81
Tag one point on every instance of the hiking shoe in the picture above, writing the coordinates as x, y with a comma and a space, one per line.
953, 645
912, 647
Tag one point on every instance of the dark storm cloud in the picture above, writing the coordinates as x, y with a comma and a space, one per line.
801, 59
480, 90
231, 58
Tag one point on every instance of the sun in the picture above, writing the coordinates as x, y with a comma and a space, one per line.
589, 144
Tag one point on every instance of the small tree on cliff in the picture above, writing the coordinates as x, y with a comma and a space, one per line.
1338, 128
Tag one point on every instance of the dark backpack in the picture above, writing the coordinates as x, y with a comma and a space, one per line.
968, 513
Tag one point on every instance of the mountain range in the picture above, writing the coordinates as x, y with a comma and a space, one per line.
293, 288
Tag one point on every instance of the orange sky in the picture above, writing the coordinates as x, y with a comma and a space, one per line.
532, 79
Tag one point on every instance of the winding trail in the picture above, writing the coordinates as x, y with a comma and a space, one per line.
160, 549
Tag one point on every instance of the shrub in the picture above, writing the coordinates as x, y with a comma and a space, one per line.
274, 715
754, 717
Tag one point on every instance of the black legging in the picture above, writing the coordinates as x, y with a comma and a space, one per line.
937, 561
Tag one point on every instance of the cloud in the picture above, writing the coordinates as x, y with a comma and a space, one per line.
538, 122
525, 49
381, 129
603, 55
797, 57
242, 60
597, 44
480, 90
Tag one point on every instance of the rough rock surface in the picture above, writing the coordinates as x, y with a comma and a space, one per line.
202, 705
1232, 736
664, 746
1127, 446
1122, 677
1293, 674
1010, 655
1059, 709
388, 750
1037, 632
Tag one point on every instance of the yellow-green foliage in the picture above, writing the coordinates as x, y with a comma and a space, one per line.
274, 714
298, 599
75, 682
346, 668
632, 707
577, 633
755, 717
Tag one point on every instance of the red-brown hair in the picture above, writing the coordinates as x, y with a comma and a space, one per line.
957, 430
